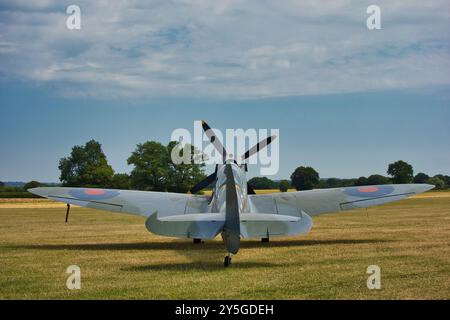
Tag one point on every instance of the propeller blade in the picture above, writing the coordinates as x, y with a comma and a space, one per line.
259, 146
214, 140
204, 183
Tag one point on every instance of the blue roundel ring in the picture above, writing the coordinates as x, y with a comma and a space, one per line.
369, 191
93, 194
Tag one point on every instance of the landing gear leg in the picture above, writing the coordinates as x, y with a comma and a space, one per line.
227, 260
265, 240
197, 241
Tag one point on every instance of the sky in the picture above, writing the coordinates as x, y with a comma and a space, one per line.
347, 100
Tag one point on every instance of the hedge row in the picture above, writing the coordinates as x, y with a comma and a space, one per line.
17, 194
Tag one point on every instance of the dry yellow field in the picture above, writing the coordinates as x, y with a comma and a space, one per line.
409, 240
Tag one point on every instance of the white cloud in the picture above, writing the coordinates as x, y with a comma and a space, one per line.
225, 48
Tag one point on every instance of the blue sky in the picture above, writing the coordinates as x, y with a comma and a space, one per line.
345, 135
346, 100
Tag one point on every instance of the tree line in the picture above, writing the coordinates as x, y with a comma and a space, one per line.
307, 178
153, 170
18, 191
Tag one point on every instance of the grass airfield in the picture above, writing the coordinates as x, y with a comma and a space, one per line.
119, 259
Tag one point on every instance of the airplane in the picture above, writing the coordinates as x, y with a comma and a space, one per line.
233, 210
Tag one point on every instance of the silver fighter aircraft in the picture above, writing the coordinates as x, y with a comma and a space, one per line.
233, 210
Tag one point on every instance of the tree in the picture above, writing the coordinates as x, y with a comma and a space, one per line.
151, 170
184, 176
284, 185
377, 179
401, 172
86, 167
437, 182
333, 183
305, 178
361, 181
2, 184
154, 170
121, 181
261, 183
32, 184
446, 179
421, 178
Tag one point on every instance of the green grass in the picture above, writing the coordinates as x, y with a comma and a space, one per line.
119, 259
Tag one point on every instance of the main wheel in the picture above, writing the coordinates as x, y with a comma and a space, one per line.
227, 261
264, 240
197, 241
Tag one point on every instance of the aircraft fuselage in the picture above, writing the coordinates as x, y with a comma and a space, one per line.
219, 201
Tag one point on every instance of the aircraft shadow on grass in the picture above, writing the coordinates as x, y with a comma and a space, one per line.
184, 245
194, 252
199, 265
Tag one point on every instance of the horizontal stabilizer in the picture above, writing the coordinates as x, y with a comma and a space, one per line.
195, 225
260, 225
209, 225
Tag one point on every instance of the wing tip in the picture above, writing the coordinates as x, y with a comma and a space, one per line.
425, 187
34, 190
40, 191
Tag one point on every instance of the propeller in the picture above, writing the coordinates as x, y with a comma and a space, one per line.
221, 149
204, 183
215, 142
250, 190
259, 146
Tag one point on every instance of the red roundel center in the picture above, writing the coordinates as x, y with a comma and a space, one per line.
368, 189
94, 192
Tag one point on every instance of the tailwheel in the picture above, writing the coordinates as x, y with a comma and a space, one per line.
227, 261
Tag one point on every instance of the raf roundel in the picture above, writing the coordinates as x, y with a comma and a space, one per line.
369, 191
93, 194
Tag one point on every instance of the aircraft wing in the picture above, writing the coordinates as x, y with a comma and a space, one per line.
319, 201
141, 203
